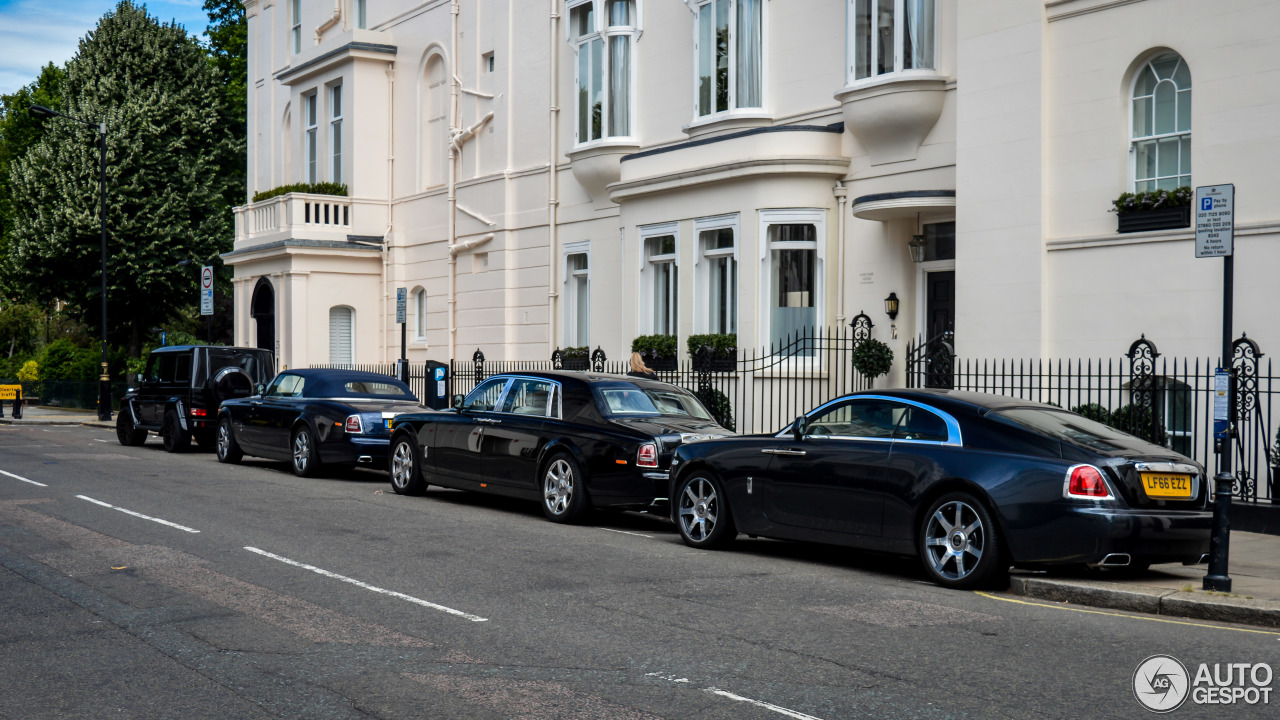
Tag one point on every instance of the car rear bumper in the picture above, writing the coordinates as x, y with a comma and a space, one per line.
1089, 534
363, 451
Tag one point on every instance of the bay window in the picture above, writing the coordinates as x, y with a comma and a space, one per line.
602, 32
792, 279
661, 277
728, 50
891, 36
335, 133
309, 115
719, 277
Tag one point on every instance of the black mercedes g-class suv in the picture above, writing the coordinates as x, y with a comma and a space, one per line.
179, 393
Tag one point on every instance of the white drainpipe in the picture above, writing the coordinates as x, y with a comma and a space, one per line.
386, 234
333, 20
842, 196
453, 180
553, 201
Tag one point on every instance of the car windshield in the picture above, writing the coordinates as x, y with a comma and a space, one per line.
1069, 427
626, 399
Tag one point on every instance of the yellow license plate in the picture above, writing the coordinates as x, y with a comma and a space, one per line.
388, 421
1162, 485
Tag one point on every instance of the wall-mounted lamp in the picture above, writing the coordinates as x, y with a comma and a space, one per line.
891, 306
917, 247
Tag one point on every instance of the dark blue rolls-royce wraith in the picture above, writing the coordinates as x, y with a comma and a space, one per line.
315, 417
970, 483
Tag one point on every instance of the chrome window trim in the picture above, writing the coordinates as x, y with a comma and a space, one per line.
555, 384
954, 437
502, 396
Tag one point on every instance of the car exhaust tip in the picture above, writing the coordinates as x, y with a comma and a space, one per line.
1113, 560
364, 459
1203, 560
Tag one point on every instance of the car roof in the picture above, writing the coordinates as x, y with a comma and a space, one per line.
956, 400
179, 348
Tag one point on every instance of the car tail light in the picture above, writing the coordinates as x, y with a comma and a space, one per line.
199, 412
648, 456
354, 425
1086, 481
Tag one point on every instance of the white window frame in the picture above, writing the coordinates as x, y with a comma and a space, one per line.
702, 270
295, 27
603, 32
647, 319
310, 139
334, 93
733, 109
570, 290
1135, 141
353, 334
793, 216
360, 13
851, 45
419, 295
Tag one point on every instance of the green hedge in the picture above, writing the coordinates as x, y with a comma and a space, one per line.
581, 352
655, 347
1153, 200
717, 343
323, 188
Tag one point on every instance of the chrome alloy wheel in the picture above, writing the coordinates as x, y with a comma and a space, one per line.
402, 465
699, 506
557, 486
224, 439
301, 451
955, 540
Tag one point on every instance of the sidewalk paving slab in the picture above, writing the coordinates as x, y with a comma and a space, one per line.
1176, 590
44, 415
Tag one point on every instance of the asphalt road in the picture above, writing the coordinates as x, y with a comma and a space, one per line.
137, 584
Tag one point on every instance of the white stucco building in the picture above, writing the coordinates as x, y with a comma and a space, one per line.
552, 173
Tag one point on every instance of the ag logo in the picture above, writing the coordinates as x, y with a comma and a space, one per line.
1161, 683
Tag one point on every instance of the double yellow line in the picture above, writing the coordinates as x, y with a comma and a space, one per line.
1126, 616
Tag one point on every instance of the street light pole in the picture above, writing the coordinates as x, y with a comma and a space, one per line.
104, 377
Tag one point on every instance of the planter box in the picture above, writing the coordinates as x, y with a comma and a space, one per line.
663, 364
575, 364
1159, 219
724, 361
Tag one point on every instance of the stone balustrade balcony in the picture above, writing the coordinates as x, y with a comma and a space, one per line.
304, 216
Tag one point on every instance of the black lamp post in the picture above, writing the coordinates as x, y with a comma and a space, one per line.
104, 378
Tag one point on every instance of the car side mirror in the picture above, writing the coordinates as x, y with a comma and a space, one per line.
260, 388
800, 428
137, 379
457, 402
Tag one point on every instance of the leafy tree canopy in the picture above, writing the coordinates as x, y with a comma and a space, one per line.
167, 157
19, 131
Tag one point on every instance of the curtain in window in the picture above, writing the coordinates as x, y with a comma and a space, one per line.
862, 39
917, 46
420, 313
706, 55
341, 327
749, 49
884, 37
620, 85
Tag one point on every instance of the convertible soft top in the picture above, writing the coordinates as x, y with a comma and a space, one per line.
330, 383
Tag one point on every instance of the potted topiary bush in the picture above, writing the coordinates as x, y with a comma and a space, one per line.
1154, 210
658, 351
872, 358
717, 403
713, 352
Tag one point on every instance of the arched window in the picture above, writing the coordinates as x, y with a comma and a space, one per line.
420, 314
1160, 153
435, 116
342, 321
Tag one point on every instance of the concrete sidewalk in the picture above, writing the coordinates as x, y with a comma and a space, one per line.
41, 415
1254, 568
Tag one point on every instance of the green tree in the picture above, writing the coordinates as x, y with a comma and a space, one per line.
167, 154
20, 326
19, 131
228, 34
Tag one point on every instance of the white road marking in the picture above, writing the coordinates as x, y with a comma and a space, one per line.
624, 532
670, 678
366, 586
101, 440
184, 528
760, 703
19, 477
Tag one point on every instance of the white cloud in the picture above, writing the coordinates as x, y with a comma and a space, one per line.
34, 33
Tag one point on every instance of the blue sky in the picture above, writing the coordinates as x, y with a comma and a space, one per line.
34, 33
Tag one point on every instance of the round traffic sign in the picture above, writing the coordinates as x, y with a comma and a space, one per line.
206, 278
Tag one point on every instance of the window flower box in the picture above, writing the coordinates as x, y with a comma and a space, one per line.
1155, 210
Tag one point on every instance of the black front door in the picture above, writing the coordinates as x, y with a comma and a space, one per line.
940, 302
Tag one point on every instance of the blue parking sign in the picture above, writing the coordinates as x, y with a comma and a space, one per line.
1206, 203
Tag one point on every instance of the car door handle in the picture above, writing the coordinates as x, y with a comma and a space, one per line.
489, 421
255, 403
775, 451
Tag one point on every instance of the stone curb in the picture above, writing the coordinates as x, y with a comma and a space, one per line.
1154, 600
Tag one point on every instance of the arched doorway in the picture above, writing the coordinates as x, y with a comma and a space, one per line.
263, 310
